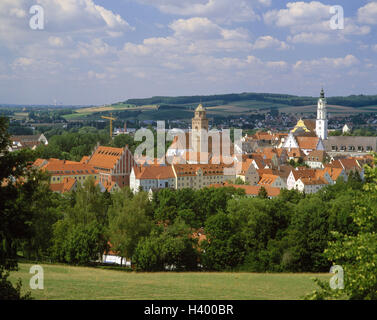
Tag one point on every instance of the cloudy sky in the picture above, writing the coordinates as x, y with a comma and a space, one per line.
104, 51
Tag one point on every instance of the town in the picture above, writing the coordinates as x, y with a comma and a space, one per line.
306, 159
188, 150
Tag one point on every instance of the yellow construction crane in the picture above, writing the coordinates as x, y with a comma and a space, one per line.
111, 123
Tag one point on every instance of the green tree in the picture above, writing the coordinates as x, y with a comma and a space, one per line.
263, 193
168, 248
356, 254
308, 235
129, 222
15, 216
239, 181
85, 222
224, 247
82, 245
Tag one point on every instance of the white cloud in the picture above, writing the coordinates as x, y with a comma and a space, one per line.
298, 13
326, 63
194, 36
22, 62
56, 41
81, 17
96, 48
269, 42
196, 28
17, 12
350, 27
310, 38
368, 13
311, 20
219, 10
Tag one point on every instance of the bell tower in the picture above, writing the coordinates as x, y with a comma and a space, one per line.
199, 125
322, 122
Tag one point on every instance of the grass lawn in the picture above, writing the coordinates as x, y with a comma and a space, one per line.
75, 283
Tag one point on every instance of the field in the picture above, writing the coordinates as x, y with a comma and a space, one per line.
76, 283
215, 108
95, 112
115, 108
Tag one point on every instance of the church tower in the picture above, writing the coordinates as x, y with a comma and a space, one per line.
199, 125
322, 122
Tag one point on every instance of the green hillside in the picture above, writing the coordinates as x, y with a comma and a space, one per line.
355, 101
226, 105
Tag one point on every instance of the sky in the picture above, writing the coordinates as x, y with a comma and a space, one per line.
94, 52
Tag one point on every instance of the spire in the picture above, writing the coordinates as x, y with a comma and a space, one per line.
200, 108
322, 94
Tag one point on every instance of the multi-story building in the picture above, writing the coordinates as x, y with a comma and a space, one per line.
179, 176
60, 170
247, 172
310, 185
152, 177
271, 180
316, 159
112, 164
197, 176
23, 142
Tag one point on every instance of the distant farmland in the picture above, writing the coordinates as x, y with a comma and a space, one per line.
168, 108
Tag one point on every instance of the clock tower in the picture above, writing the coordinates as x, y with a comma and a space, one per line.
199, 127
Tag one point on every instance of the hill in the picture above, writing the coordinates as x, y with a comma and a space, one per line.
355, 101
225, 105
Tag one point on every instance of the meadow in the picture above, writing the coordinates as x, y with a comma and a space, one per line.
63, 282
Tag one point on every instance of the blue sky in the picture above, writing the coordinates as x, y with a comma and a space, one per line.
102, 51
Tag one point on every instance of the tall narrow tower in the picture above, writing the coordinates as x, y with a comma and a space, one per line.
322, 122
199, 125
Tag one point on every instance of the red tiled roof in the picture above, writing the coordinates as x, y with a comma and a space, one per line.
316, 181
304, 173
307, 142
333, 172
310, 124
63, 168
267, 179
105, 157
243, 167
154, 172
84, 159
108, 185
316, 155
207, 169
66, 186
295, 153
251, 190
39, 163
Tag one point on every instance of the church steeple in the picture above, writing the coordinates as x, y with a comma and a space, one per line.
322, 122
322, 94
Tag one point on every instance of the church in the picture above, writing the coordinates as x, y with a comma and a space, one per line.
309, 135
315, 128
